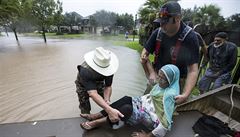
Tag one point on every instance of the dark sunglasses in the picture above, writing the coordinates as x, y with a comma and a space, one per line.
164, 16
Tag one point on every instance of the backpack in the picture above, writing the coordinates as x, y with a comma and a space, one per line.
209, 126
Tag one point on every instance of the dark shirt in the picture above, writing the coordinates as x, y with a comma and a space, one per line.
90, 78
188, 53
222, 58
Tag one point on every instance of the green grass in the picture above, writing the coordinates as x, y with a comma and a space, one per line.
130, 44
120, 37
53, 35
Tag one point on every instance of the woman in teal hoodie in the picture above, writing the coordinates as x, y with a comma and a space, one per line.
154, 110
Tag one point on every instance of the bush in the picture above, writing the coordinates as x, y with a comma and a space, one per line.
59, 33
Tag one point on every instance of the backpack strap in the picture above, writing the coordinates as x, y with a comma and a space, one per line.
175, 52
181, 38
157, 46
184, 33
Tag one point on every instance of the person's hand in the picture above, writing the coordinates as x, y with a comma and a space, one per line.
140, 134
180, 99
114, 115
152, 78
144, 57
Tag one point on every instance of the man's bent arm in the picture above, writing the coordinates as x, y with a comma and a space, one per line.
189, 83
191, 79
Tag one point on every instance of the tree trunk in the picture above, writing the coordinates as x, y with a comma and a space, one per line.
6, 30
43, 33
95, 30
59, 30
15, 33
71, 29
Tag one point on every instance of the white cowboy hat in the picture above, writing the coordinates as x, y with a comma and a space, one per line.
103, 61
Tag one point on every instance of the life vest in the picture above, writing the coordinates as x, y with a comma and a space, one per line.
180, 39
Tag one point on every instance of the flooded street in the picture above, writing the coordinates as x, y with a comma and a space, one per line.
37, 79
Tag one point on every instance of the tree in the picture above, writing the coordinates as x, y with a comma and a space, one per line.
72, 19
150, 9
58, 17
10, 13
43, 11
26, 22
187, 14
125, 20
233, 22
210, 16
105, 19
93, 23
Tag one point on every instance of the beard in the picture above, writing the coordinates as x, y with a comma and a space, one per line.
218, 45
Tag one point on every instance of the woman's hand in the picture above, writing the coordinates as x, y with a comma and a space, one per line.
152, 78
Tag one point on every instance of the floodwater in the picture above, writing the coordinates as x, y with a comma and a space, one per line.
37, 79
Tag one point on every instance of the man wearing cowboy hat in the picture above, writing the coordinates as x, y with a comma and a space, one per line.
94, 80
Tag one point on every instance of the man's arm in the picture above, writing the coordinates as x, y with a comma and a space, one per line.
232, 60
107, 94
113, 114
189, 83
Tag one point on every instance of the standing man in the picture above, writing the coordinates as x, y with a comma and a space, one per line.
222, 57
94, 79
173, 43
126, 35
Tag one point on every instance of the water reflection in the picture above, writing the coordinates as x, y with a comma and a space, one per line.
37, 80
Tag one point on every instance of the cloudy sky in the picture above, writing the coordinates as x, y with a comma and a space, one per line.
88, 7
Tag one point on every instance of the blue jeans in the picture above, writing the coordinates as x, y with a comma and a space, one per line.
208, 78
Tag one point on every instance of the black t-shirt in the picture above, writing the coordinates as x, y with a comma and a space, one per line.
188, 53
90, 78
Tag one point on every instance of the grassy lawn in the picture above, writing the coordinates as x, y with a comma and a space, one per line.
120, 37
53, 35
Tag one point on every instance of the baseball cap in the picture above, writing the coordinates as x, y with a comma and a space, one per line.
169, 9
222, 35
